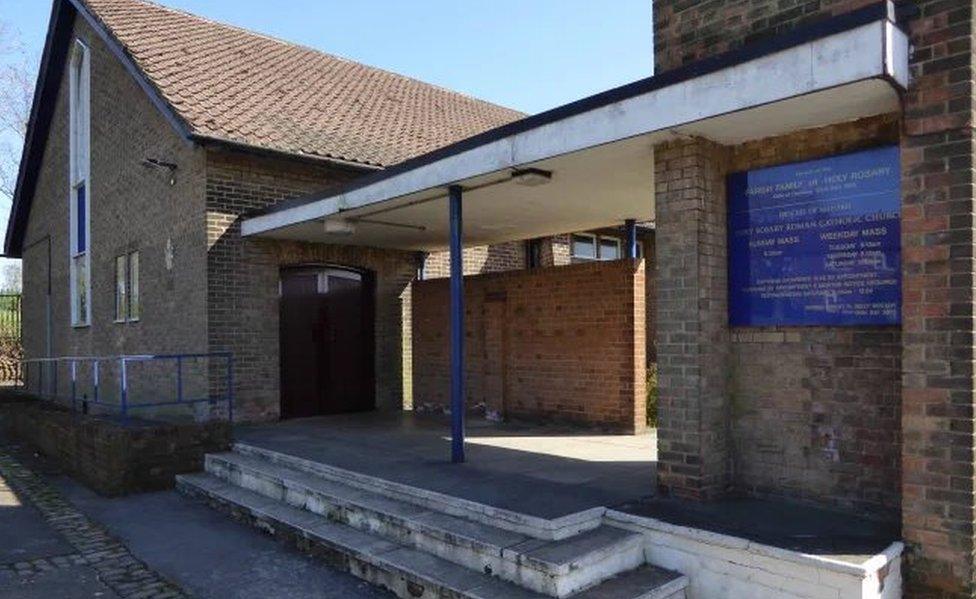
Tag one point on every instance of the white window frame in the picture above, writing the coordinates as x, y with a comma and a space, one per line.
598, 250
79, 165
596, 247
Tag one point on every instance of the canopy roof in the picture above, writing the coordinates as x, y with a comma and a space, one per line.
599, 150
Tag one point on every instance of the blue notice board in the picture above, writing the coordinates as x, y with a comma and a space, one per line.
817, 243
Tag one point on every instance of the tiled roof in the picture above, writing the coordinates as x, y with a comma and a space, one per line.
235, 85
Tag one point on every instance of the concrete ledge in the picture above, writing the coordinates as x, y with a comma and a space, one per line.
723, 565
540, 528
108, 456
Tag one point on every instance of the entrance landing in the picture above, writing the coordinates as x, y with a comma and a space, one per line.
547, 472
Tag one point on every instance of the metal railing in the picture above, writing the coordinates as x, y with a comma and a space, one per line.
89, 386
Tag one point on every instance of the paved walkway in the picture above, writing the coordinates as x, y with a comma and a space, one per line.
56, 551
61, 541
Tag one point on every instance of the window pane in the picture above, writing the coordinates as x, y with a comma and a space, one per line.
134, 308
583, 247
609, 248
80, 219
81, 289
121, 303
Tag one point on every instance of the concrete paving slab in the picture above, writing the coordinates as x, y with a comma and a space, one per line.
210, 555
26, 535
78, 582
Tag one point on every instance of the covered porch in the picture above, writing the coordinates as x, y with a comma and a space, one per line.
654, 151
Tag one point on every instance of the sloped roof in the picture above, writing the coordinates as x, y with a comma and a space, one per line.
230, 84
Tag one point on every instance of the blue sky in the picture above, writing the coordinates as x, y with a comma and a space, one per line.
525, 54
530, 55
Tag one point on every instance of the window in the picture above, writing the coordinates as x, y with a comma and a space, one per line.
79, 190
583, 247
127, 307
587, 246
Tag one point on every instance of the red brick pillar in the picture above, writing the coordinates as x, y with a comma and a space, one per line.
692, 320
938, 505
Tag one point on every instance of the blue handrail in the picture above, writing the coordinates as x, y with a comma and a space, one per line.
126, 403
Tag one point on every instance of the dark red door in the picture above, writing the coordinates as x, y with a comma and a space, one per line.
326, 333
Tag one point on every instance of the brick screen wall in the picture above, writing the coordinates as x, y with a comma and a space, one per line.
562, 344
243, 279
688, 30
816, 410
132, 208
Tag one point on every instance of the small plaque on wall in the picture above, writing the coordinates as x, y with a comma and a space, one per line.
817, 242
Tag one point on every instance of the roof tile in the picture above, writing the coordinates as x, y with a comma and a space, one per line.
247, 88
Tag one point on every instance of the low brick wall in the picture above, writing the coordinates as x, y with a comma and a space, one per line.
562, 344
108, 457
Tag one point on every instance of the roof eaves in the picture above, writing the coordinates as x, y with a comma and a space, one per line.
269, 151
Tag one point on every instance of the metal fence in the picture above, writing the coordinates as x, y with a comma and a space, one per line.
152, 387
11, 344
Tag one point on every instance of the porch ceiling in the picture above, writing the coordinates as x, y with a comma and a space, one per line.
600, 149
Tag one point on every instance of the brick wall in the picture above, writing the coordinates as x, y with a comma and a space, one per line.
478, 260
938, 506
132, 208
553, 344
687, 30
555, 251
816, 410
110, 458
243, 279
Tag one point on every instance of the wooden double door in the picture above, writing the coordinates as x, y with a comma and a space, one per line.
326, 341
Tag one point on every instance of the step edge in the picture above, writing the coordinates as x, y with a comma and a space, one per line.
543, 528
589, 559
377, 560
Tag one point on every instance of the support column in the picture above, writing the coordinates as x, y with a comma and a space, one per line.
938, 299
692, 320
457, 326
631, 226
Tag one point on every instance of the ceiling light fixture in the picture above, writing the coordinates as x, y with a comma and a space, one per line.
531, 177
339, 226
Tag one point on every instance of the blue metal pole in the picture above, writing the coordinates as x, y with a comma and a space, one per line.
631, 226
457, 326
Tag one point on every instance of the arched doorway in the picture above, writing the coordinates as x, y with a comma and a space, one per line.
326, 341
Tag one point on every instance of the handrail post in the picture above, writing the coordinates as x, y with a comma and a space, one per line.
74, 385
230, 388
179, 379
124, 390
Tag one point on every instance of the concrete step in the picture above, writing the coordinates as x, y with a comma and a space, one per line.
406, 571
541, 528
557, 568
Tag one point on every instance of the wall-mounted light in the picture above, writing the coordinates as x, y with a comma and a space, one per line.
155, 163
531, 177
